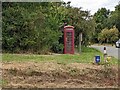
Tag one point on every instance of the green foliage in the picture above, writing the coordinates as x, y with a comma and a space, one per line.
57, 47
25, 29
34, 27
109, 35
17, 30
107, 19
114, 18
101, 15
100, 18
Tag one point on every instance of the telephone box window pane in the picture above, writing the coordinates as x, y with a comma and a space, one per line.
69, 41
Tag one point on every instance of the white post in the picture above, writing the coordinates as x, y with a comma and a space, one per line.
105, 54
105, 58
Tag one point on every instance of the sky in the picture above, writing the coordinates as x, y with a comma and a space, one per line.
94, 5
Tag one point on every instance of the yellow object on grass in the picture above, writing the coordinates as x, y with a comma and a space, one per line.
108, 58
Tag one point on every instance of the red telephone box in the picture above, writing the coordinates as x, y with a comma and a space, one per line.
68, 40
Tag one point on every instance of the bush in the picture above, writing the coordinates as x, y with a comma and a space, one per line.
108, 35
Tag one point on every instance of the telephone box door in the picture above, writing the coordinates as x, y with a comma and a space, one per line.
68, 40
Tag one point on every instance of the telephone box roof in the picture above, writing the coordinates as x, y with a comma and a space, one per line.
68, 27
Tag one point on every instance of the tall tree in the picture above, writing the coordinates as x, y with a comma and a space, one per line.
114, 18
100, 18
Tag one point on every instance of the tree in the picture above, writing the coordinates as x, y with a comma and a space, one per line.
114, 18
114, 33
17, 29
108, 35
100, 18
35, 27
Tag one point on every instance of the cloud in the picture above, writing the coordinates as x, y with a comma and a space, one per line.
94, 5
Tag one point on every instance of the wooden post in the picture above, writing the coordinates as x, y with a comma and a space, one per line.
80, 40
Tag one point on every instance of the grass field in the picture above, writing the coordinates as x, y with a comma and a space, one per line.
58, 70
87, 56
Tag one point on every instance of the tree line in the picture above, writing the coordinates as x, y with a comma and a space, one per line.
38, 27
107, 28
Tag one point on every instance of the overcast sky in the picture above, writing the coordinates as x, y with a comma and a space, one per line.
94, 5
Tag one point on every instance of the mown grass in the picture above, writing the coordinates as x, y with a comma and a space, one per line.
87, 56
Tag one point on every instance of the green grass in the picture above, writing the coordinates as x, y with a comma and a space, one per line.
87, 56
3, 82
